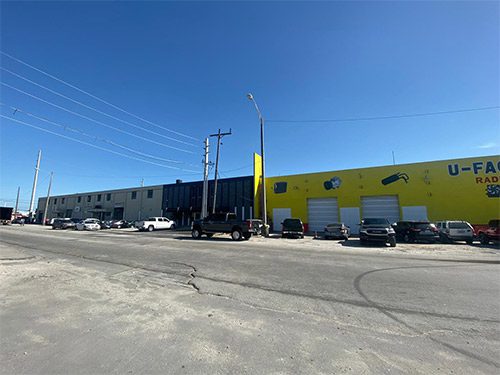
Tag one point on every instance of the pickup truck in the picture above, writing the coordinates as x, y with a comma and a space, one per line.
225, 223
155, 223
488, 233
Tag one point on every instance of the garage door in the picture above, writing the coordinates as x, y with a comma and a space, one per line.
280, 214
320, 212
386, 206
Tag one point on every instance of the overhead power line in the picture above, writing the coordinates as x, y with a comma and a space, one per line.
352, 119
97, 138
94, 146
97, 98
94, 121
95, 109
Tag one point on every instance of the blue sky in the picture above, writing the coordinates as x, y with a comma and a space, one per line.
188, 66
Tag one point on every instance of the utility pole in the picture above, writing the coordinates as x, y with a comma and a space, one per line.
17, 202
47, 201
33, 191
219, 136
393, 159
204, 201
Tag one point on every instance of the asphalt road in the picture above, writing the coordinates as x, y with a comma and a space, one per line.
130, 302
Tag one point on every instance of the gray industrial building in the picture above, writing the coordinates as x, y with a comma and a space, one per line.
180, 201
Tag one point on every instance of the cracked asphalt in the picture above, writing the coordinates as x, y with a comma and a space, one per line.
121, 301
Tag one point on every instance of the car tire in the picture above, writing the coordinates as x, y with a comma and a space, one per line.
392, 242
172, 227
484, 239
247, 236
196, 233
210, 235
151, 228
469, 242
119, 227
236, 235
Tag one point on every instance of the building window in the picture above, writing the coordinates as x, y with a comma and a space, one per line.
108, 196
98, 197
134, 195
150, 193
62, 200
55, 200
79, 199
89, 197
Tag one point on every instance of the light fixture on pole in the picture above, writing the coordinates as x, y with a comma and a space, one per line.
263, 191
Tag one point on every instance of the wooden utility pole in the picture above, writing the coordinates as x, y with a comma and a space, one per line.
219, 136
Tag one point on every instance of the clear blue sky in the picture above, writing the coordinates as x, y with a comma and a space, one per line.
187, 66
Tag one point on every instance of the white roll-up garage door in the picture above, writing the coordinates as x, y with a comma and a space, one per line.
385, 206
320, 212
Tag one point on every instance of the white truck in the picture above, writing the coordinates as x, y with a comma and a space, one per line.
155, 223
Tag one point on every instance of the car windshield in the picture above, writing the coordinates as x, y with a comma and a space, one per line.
292, 223
333, 226
422, 225
459, 225
375, 222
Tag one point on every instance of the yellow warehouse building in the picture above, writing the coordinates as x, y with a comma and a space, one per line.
458, 189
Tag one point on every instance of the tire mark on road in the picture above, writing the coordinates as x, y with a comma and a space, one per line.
383, 310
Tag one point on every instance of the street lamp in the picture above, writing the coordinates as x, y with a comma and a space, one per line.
263, 192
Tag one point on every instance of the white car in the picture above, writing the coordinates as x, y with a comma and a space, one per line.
88, 224
450, 231
155, 223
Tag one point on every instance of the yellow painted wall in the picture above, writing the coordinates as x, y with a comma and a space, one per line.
257, 181
450, 189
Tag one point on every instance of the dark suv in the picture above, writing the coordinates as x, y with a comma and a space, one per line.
413, 231
377, 230
63, 224
292, 228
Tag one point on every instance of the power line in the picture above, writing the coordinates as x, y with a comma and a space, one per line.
94, 146
78, 131
387, 117
94, 109
95, 121
97, 98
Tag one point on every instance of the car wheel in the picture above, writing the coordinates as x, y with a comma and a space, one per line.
236, 235
469, 242
119, 227
392, 241
247, 236
151, 228
172, 227
210, 235
195, 233
484, 239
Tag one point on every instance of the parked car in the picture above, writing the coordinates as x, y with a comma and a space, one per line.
155, 223
106, 224
120, 224
414, 231
63, 224
337, 231
225, 222
88, 224
377, 230
488, 233
292, 228
454, 230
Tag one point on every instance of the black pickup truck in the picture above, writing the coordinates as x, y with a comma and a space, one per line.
225, 223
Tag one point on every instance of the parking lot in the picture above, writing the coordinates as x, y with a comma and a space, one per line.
161, 302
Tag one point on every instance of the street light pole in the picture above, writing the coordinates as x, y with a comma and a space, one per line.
263, 191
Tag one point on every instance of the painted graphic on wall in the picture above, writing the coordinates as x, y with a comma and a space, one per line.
395, 177
332, 183
493, 191
280, 187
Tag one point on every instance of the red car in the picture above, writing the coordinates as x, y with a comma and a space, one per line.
488, 233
